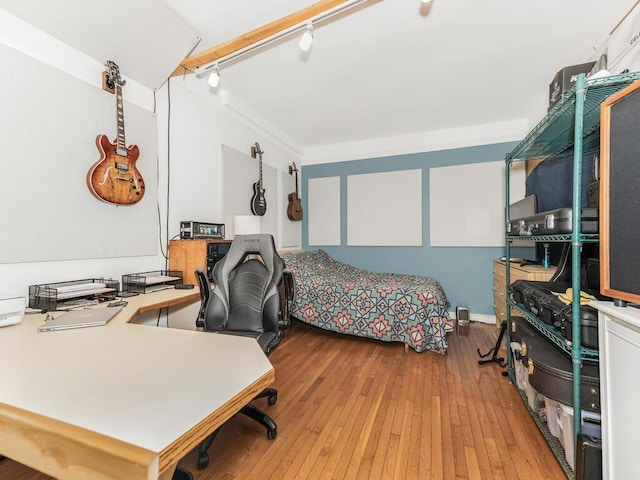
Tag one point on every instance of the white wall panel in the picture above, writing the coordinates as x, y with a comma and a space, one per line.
467, 203
385, 208
47, 148
324, 211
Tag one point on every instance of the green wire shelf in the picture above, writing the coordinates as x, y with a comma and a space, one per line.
555, 132
584, 237
553, 334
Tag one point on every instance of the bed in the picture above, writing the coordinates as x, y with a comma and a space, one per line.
384, 306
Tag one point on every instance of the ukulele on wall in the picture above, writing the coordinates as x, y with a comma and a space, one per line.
258, 202
114, 178
294, 209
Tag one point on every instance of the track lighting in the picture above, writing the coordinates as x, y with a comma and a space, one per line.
307, 38
305, 41
214, 78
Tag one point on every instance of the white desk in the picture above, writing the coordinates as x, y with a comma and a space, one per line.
122, 401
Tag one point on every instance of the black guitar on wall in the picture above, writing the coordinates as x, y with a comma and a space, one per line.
258, 202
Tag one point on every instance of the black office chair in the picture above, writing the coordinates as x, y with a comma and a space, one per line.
247, 301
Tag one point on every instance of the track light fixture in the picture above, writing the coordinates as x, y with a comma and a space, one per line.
307, 38
214, 78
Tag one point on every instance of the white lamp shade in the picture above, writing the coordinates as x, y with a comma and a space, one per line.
246, 224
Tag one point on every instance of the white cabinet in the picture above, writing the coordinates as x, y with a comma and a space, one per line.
619, 345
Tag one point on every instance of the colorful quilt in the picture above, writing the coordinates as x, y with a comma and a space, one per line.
384, 306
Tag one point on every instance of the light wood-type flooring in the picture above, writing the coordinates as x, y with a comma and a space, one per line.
352, 408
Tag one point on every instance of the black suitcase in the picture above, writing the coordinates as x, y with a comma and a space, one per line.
541, 299
552, 373
554, 311
555, 222
588, 458
534, 295
517, 290
588, 326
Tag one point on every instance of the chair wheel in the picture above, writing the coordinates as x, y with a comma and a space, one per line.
203, 461
272, 399
271, 433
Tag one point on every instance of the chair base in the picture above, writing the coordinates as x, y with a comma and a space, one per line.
250, 411
270, 393
182, 474
262, 418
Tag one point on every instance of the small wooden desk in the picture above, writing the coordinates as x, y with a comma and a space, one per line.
123, 400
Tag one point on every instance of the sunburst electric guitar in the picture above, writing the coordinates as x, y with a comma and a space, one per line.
114, 178
258, 201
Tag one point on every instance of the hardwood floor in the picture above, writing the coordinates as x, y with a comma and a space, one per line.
351, 408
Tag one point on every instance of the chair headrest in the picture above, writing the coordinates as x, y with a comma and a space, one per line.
257, 244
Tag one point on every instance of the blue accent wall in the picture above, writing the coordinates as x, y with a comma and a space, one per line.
465, 273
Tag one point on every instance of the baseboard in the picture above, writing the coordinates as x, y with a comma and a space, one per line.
478, 317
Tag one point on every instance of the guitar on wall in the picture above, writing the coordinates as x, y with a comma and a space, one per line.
294, 209
114, 178
258, 202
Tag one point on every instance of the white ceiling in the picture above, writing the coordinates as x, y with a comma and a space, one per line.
392, 67
384, 69
145, 37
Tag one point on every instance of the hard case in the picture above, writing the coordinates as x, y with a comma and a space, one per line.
551, 373
534, 295
588, 326
541, 299
554, 222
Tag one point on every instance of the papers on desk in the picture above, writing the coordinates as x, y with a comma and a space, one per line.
155, 279
145, 282
77, 290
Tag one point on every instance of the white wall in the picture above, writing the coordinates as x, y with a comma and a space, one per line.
200, 123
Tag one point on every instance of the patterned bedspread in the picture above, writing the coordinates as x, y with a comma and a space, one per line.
385, 306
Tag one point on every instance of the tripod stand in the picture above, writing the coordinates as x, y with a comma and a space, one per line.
495, 349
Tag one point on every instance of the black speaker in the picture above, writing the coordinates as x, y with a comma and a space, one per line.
215, 252
620, 195
588, 458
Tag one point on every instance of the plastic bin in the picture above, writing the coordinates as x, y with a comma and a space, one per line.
535, 399
560, 424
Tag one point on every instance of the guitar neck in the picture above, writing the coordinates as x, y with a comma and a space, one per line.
121, 145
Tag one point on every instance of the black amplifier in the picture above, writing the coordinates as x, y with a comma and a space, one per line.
192, 230
215, 252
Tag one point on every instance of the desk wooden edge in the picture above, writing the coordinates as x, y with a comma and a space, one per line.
170, 302
78, 453
170, 456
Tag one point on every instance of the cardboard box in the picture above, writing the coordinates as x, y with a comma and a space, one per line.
623, 43
564, 80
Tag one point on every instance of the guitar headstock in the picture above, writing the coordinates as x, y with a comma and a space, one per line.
293, 168
113, 74
255, 150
